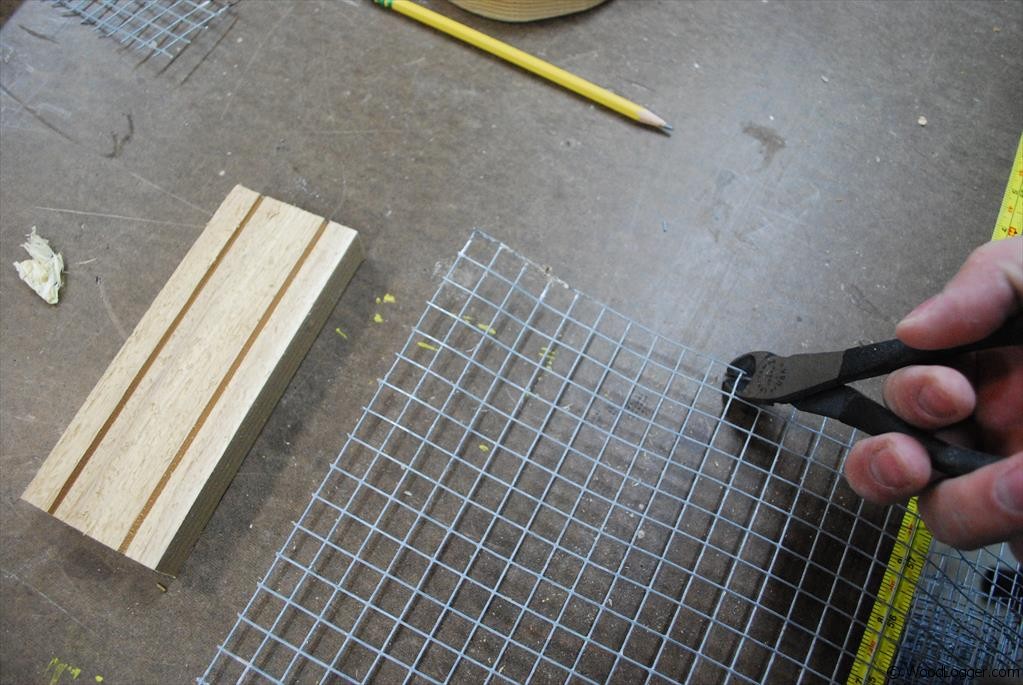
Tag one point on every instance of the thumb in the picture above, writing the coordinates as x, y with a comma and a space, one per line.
987, 290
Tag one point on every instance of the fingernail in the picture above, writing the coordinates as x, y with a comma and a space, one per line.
1009, 490
887, 468
935, 403
922, 310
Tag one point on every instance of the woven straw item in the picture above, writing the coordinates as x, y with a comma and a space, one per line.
525, 10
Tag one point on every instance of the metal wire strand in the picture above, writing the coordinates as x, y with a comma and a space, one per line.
161, 27
543, 490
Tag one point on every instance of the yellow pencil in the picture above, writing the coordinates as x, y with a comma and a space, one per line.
527, 62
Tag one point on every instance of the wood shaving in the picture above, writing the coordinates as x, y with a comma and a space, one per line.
42, 271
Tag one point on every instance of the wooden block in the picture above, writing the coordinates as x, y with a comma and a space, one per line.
150, 453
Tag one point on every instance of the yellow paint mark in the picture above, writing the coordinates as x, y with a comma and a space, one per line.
466, 317
484, 448
486, 328
379, 300
341, 333
59, 668
547, 356
389, 298
426, 346
377, 318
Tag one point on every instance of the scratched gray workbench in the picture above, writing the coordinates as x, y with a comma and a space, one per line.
799, 205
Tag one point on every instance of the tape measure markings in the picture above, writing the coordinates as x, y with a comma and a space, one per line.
1010, 214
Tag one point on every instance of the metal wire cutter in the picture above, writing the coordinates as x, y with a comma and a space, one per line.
815, 383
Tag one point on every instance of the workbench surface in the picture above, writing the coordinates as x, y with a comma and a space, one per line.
799, 205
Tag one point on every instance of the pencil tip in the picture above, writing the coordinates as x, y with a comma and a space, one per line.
667, 129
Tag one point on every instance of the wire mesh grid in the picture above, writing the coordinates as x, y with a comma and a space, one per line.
967, 614
542, 490
163, 27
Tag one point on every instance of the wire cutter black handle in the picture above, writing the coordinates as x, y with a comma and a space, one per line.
767, 377
855, 409
815, 383
884, 357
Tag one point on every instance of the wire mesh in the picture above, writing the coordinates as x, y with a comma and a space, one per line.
967, 615
543, 490
163, 27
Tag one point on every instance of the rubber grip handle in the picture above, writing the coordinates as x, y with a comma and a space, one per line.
859, 411
884, 357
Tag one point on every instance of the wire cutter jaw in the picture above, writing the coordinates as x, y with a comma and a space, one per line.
816, 383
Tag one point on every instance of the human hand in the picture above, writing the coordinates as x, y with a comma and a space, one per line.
984, 391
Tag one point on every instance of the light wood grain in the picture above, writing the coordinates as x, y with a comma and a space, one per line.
150, 453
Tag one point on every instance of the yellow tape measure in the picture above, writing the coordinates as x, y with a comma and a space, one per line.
894, 599
1010, 215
